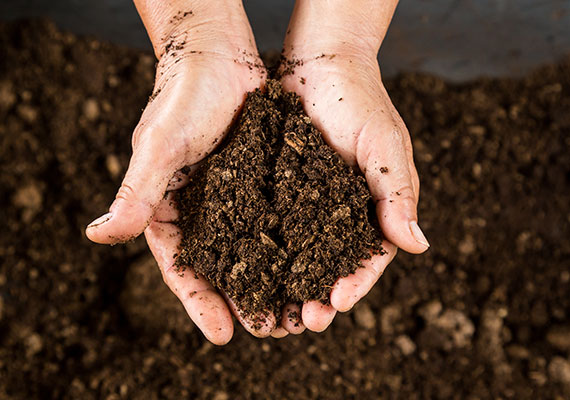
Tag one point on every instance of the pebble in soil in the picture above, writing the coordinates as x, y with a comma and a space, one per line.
276, 216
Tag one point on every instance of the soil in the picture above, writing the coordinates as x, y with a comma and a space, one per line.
484, 314
276, 216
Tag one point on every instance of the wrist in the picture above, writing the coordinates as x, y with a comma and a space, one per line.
196, 25
354, 28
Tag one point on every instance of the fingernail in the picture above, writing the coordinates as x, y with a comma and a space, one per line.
418, 234
101, 220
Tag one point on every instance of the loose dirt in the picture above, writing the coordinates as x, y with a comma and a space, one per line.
484, 314
275, 216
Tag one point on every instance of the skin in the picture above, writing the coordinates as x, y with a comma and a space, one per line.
208, 61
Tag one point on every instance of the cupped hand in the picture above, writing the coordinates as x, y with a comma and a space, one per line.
199, 90
346, 100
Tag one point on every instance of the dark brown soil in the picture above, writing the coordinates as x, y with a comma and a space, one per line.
275, 216
484, 314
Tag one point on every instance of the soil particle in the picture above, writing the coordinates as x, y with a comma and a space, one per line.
275, 216
287, 66
28, 113
467, 246
7, 96
389, 317
405, 344
490, 339
448, 330
517, 352
559, 338
91, 109
559, 370
364, 316
294, 317
113, 166
220, 395
34, 344
430, 311
29, 198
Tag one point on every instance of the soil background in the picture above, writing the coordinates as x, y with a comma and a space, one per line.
484, 314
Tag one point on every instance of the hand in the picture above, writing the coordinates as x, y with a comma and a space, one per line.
342, 91
203, 75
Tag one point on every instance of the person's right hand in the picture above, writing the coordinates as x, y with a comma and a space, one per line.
203, 75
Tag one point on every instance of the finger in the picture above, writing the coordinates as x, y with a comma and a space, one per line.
291, 319
201, 301
349, 290
166, 211
415, 179
317, 316
260, 326
181, 178
145, 182
279, 333
178, 180
382, 155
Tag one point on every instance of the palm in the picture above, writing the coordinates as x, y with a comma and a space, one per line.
341, 96
348, 103
215, 93
194, 100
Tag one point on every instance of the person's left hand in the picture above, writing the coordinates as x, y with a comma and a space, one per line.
345, 97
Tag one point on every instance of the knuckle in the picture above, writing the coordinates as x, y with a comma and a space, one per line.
171, 276
373, 272
186, 295
403, 193
126, 192
167, 277
408, 146
137, 133
416, 183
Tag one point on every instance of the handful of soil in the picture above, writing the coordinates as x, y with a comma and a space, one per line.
275, 216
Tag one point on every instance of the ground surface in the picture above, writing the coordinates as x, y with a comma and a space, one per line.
484, 314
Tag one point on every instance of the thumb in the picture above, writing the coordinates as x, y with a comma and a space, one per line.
142, 189
386, 159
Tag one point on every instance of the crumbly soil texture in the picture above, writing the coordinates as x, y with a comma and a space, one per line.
276, 216
484, 314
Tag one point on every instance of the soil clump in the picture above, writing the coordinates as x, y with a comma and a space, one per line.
275, 216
